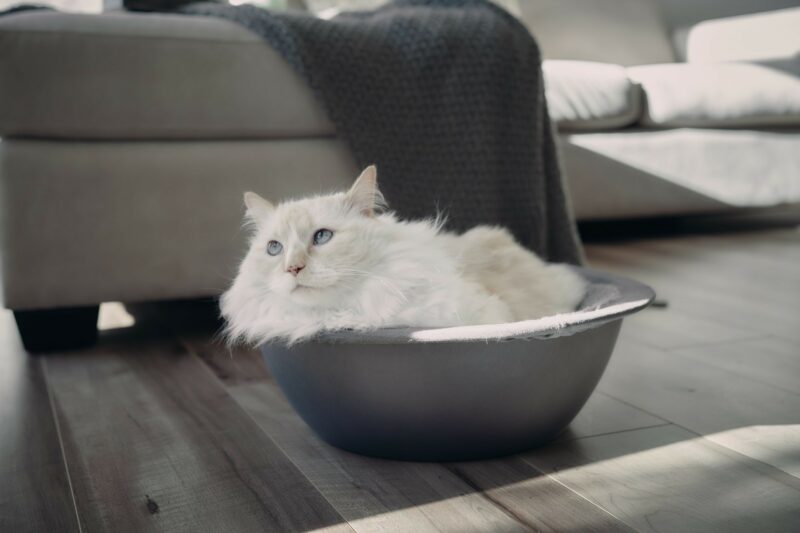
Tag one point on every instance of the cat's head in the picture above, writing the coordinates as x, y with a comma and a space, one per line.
313, 249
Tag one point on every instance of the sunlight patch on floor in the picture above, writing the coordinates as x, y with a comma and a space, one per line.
776, 444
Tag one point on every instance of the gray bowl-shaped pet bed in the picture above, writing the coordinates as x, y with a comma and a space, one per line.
460, 393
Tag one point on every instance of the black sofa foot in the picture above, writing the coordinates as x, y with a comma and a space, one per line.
46, 330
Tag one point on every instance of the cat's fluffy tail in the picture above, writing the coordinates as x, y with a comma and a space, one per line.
529, 286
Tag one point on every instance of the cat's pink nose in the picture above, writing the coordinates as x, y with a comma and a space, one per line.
294, 270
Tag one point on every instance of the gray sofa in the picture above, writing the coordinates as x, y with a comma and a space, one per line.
127, 139
662, 121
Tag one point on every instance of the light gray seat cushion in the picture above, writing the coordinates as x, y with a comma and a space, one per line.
134, 76
725, 94
586, 95
684, 170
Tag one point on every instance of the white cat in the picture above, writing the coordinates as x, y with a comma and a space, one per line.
332, 262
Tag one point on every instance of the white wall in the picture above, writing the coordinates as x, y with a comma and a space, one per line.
681, 13
91, 6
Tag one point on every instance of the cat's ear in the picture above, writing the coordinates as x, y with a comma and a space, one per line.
257, 207
364, 195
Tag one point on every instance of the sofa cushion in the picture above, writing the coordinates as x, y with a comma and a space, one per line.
584, 95
129, 76
625, 32
682, 170
720, 94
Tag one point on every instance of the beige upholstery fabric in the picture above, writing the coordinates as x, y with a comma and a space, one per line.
667, 172
625, 32
720, 94
138, 76
86, 222
585, 95
759, 37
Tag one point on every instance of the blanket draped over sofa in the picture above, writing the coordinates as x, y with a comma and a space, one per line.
446, 97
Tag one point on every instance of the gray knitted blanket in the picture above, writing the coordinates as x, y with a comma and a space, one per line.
446, 97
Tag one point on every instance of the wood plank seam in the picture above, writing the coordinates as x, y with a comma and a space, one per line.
57, 422
488, 497
650, 426
781, 476
755, 337
206, 369
774, 472
676, 352
592, 502
629, 404
684, 491
510, 512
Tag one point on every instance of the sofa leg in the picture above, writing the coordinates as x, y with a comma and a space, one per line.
45, 330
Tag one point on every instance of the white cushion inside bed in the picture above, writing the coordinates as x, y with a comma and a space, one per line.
607, 298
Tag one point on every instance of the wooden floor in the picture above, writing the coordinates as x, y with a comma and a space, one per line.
694, 427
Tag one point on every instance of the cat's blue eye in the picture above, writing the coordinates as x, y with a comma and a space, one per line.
274, 247
322, 236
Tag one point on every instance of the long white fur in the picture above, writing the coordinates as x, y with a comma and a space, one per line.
377, 271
